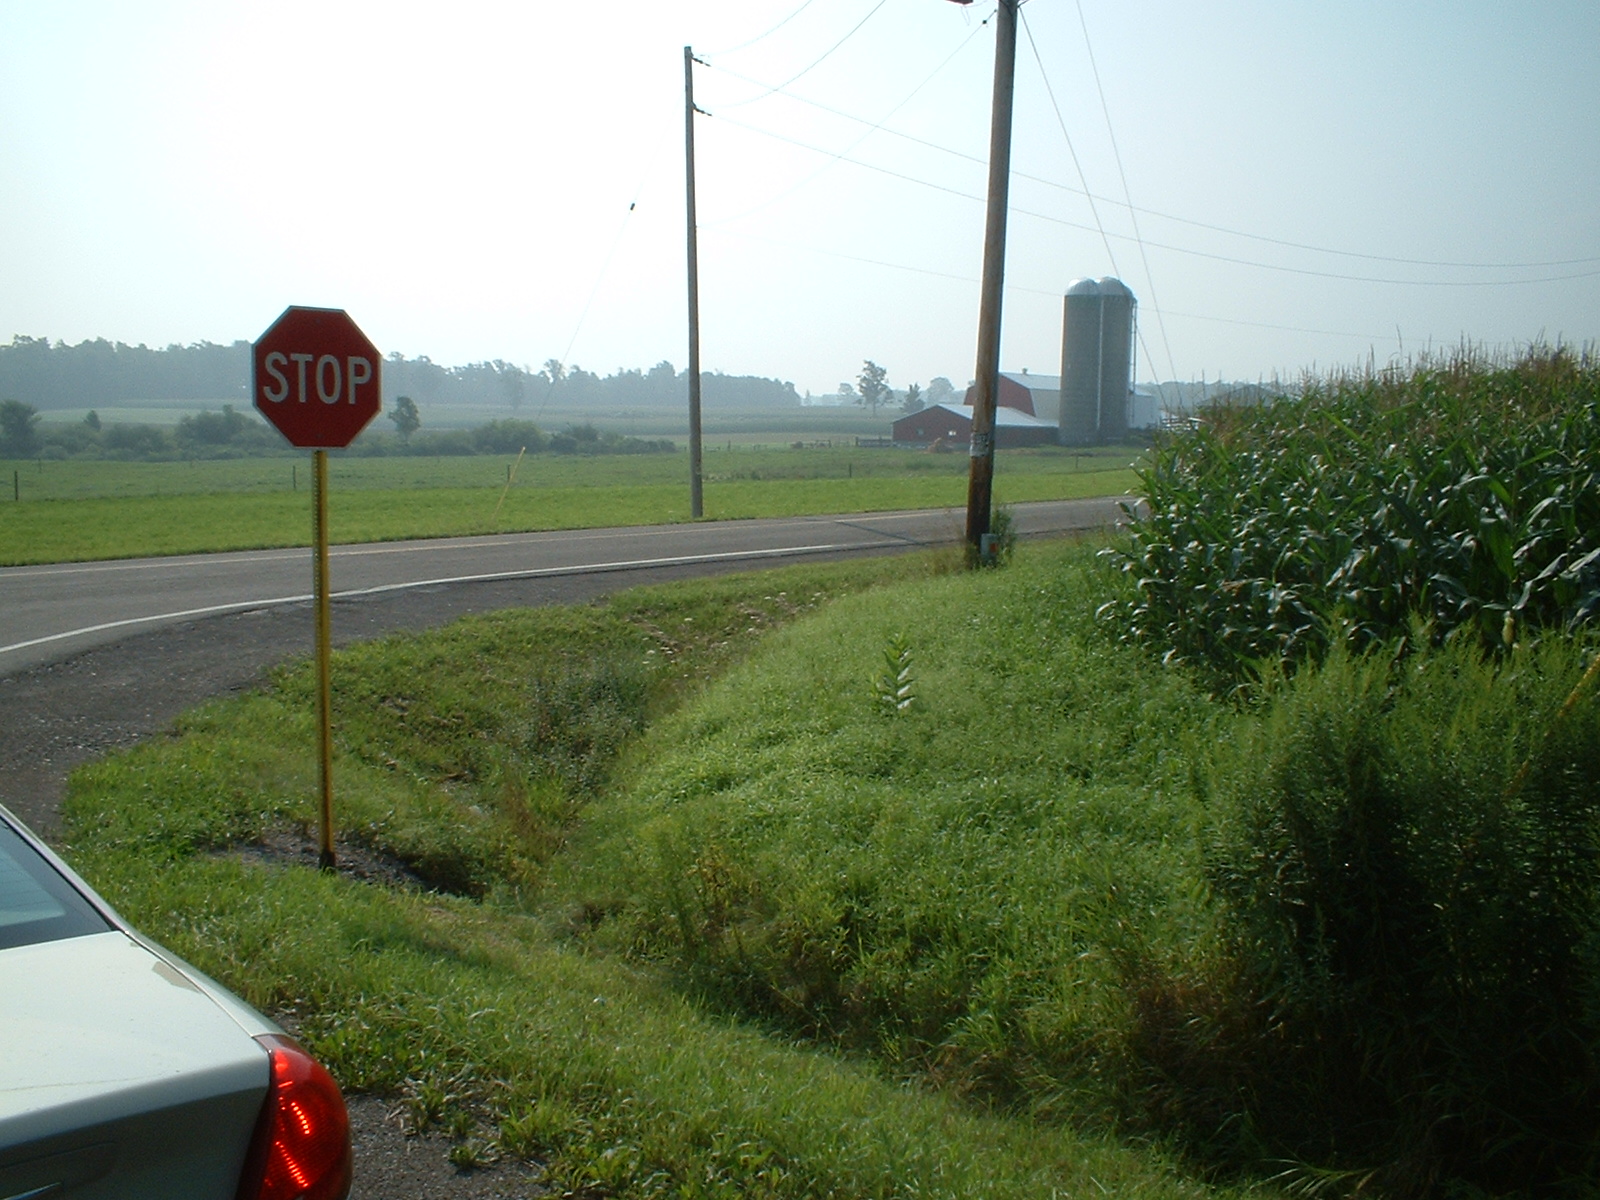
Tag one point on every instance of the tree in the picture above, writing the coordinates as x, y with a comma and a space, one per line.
554, 369
405, 417
940, 390
92, 420
913, 398
510, 379
872, 390
18, 439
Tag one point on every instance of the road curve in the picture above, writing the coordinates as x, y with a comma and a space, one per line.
98, 656
55, 611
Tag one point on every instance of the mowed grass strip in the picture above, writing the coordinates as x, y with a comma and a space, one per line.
137, 526
472, 756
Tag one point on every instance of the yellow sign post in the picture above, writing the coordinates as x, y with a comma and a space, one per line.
319, 485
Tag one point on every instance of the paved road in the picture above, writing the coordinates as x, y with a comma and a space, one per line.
50, 613
97, 656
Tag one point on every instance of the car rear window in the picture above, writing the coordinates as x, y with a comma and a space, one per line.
36, 903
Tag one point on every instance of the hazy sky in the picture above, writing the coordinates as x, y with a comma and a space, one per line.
1311, 182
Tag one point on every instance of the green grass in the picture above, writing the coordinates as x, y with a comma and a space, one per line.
954, 885
75, 511
81, 479
489, 1005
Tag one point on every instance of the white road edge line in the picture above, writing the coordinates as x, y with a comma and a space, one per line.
435, 545
533, 573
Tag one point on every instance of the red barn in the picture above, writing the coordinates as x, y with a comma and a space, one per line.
952, 424
1037, 395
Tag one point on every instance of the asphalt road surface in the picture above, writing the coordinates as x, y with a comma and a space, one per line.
96, 656
51, 612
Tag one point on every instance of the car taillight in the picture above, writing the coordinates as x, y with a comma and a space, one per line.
301, 1149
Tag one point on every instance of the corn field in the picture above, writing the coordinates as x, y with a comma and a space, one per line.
1459, 497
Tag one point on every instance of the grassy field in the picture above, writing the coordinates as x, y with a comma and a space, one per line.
73, 511
479, 757
773, 426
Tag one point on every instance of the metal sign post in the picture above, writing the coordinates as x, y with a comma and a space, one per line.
315, 378
319, 485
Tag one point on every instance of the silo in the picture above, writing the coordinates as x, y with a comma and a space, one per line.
1116, 358
1096, 361
1079, 421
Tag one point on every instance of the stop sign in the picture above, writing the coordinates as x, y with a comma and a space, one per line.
314, 376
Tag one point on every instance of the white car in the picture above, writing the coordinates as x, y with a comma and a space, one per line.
125, 1074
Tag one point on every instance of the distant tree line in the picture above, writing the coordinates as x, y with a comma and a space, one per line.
98, 374
101, 374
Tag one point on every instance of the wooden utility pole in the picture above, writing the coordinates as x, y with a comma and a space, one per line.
696, 497
980, 479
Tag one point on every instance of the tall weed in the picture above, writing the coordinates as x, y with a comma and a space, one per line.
1410, 858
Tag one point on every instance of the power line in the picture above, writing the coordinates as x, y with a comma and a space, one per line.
1245, 262
1093, 209
1366, 337
855, 162
871, 129
763, 37
1454, 264
605, 269
880, 126
1127, 193
1022, 289
818, 62
871, 262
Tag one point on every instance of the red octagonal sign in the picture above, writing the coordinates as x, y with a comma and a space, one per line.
314, 375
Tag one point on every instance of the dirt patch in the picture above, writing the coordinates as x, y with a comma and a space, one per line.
289, 847
394, 1164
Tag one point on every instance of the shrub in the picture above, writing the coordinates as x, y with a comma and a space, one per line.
508, 437
586, 439
71, 440
135, 441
